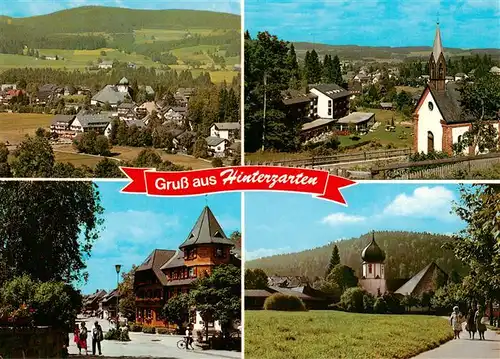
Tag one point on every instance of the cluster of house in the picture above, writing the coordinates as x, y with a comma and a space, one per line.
117, 100
372, 280
323, 108
167, 273
101, 304
8, 92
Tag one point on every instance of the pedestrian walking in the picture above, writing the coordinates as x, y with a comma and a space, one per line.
456, 322
83, 338
97, 337
481, 327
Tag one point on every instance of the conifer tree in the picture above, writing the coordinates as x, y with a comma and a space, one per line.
334, 260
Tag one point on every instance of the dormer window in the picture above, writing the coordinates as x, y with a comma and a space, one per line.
220, 252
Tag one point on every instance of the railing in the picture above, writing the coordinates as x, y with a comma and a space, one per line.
441, 168
340, 158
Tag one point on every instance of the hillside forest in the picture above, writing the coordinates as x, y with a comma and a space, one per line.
117, 28
406, 254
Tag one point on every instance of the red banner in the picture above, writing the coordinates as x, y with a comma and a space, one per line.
241, 178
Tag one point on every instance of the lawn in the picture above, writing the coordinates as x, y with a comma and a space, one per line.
400, 138
15, 126
339, 335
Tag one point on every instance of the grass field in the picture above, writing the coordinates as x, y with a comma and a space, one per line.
15, 126
409, 89
338, 335
125, 153
149, 35
77, 159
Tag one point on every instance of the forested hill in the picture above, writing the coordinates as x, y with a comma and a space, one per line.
406, 254
354, 52
120, 20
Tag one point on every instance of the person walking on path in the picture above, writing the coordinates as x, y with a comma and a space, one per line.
481, 328
97, 337
456, 322
471, 323
189, 338
83, 338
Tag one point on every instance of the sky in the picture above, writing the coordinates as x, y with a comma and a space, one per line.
277, 223
396, 23
24, 8
135, 225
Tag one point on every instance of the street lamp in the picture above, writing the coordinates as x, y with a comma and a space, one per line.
264, 117
118, 268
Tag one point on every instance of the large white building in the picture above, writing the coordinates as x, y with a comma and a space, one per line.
439, 121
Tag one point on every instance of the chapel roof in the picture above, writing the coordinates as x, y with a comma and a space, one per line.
372, 253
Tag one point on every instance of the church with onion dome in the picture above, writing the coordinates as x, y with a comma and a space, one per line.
373, 278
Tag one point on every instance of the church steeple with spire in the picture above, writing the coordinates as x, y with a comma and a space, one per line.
437, 63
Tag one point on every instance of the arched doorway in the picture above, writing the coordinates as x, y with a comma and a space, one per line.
430, 142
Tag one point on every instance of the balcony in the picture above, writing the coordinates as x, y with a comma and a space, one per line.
149, 300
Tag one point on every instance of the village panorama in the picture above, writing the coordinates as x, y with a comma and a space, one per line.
368, 112
80, 97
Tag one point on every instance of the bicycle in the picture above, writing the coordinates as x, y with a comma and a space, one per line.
182, 344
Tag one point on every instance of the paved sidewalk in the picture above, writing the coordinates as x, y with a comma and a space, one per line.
149, 345
465, 348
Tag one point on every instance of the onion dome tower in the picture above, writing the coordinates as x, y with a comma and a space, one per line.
373, 279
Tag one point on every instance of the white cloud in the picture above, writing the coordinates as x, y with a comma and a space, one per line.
265, 252
339, 218
424, 202
133, 229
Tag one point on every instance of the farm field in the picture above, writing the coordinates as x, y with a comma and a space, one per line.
143, 36
332, 334
15, 126
411, 90
79, 59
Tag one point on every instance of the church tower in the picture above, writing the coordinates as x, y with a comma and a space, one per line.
437, 64
373, 279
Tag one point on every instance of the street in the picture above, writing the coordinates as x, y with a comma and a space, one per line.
147, 345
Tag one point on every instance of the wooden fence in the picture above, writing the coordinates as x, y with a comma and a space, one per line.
340, 158
436, 169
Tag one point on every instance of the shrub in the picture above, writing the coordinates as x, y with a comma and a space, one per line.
355, 138
117, 334
380, 306
352, 299
149, 330
284, 302
393, 304
217, 162
136, 327
368, 303
162, 331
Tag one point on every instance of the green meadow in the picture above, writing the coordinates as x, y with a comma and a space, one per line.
339, 335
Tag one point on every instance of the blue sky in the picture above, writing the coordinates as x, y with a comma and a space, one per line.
135, 225
464, 23
23, 8
282, 223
